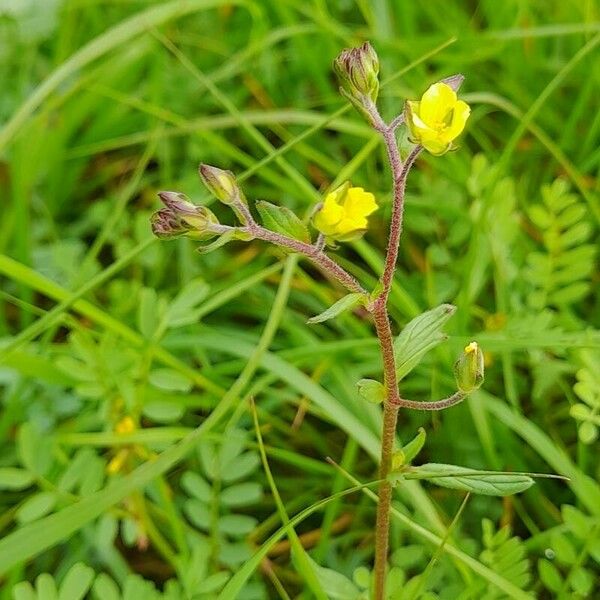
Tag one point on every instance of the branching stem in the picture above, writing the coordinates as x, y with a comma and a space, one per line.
383, 328
314, 253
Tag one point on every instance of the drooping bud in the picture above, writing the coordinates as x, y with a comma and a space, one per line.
181, 217
357, 70
222, 184
468, 369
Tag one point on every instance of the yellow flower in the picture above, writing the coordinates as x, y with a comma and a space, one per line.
123, 427
344, 213
437, 120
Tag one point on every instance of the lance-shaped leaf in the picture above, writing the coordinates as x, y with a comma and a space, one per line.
345, 303
488, 483
282, 220
336, 585
418, 337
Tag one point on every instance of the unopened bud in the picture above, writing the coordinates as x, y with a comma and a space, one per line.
357, 70
222, 184
167, 225
181, 217
468, 369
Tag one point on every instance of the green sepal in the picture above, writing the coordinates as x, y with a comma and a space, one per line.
220, 241
372, 391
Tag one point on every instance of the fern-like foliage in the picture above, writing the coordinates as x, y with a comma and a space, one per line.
560, 271
81, 581
587, 388
219, 491
505, 555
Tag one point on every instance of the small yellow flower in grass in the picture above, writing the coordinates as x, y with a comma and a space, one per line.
343, 215
437, 120
124, 426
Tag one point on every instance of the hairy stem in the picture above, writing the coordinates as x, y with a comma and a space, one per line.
456, 398
388, 435
314, 253
393, 401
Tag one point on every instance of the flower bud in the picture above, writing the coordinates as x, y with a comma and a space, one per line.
222, 184
181, 217
468, 369
357, 70
167, 225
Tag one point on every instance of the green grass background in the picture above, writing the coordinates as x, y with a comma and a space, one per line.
105, 103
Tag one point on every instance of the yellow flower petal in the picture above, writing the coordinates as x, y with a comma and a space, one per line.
436, 103
359, 203
459, 119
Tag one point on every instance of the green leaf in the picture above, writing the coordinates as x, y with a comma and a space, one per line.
46, 587
241, 467
196, 486
148, 312
76, 582
578, 523
371, 391
213, 583
12, 478
198, 513
582, 581
36, 506
242, 494
588, 432
282, 220
183, 308
335, 585
170, 380
549, 575
419, 336
34, 449
412, 449
78, 466
488, 483
161, 411
237, 525
343, 304
105, 588
564, 550
23, 591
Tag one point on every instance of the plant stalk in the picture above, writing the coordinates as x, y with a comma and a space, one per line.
383, 328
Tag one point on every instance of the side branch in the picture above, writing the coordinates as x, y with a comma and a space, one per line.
314, 253
456, 398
